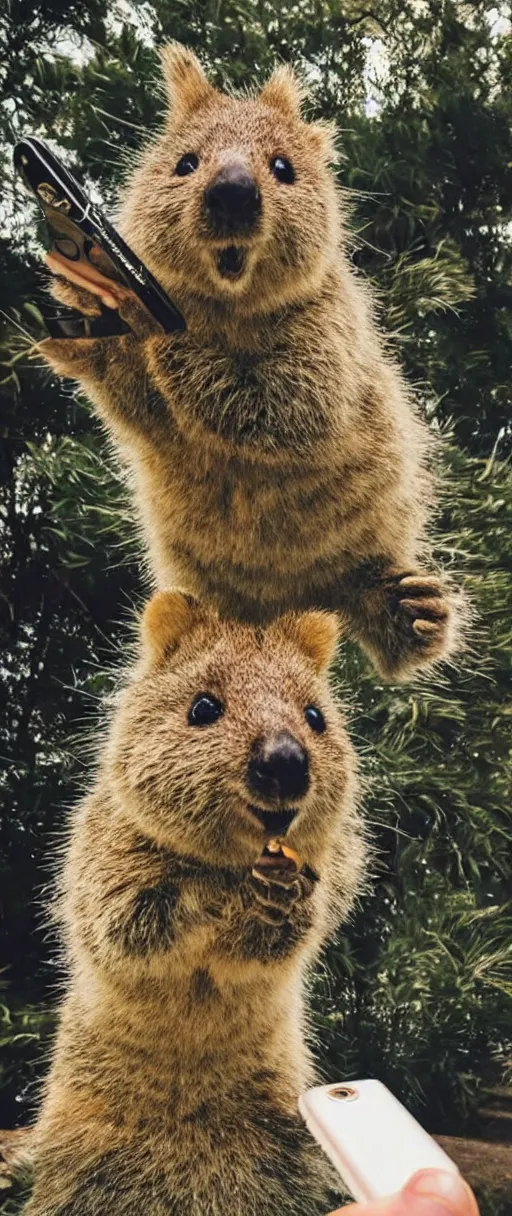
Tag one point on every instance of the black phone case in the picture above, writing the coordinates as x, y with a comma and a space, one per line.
78, 231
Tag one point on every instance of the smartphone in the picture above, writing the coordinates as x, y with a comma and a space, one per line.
81, 233
371, 1139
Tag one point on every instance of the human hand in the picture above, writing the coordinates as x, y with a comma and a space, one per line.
428, 1193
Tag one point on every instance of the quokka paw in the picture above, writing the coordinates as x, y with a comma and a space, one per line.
424, 619
276, 895
76, 358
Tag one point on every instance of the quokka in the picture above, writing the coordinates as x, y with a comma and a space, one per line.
180, 1052
276, 457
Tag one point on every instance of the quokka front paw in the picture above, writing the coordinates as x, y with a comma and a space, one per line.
92, 359
423, 623
277, 891
75, 358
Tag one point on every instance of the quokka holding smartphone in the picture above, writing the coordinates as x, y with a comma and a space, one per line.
277, 459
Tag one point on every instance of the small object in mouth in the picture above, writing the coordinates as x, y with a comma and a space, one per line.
290, 854
230, 262
279, 856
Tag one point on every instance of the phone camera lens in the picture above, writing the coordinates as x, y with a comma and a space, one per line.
67, 249
343, 1093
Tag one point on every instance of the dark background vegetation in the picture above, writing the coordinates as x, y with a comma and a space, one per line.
417, 991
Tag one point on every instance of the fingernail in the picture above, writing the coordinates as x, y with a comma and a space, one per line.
447, 1192
109, 301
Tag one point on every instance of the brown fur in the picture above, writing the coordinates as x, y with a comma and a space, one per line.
276, 456
180, 1053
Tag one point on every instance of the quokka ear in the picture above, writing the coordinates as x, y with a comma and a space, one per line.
323, 137
284, 91
186, 85
166, 619
316, 634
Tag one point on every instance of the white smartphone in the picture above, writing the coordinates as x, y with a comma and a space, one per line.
371, 1139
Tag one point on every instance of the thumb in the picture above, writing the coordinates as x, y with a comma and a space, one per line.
427, 1193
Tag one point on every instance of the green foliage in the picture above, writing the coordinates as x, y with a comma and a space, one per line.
418, 990
24, 1032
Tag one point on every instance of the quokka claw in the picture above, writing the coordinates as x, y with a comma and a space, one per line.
421, 584
426, 629
429, 609
424, 616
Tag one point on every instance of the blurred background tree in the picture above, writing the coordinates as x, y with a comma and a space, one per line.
417, 991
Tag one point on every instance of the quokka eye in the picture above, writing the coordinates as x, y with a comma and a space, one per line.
205, 710
315, 719
283, 170
186, 164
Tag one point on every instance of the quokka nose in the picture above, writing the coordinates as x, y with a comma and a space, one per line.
279, 768
232, 201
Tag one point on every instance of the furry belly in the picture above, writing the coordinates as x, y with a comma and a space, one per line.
242, 1158
258, 536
